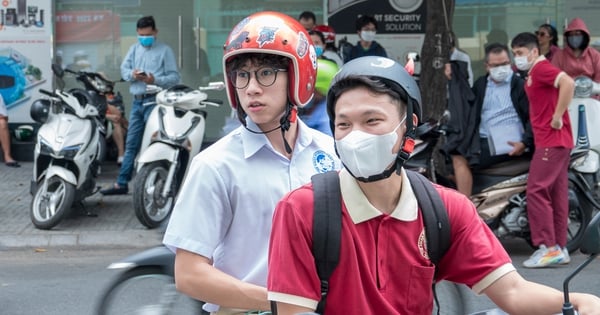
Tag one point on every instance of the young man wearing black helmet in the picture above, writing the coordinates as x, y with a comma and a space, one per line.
221, 221
384, 267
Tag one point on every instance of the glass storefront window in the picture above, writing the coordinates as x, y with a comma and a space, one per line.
196, 31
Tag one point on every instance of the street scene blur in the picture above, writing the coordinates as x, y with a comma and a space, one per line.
136, 131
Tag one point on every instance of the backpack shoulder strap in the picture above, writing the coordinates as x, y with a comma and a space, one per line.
435, 216
327, 228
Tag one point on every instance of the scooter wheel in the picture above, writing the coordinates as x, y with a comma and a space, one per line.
145, 290
50, 205
151, 208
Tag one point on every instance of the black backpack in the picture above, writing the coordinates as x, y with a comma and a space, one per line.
327, 224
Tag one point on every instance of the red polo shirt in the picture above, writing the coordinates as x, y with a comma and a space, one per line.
383, 267
542, 91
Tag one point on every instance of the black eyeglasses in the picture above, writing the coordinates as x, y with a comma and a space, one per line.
264, 76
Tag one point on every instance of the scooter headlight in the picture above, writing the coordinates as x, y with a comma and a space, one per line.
45, 148
70, 152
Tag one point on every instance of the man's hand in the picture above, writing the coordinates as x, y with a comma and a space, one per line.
518, 148
556, 123
145, 77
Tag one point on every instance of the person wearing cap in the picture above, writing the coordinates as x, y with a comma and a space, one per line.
148, 62
374, 106
220, 225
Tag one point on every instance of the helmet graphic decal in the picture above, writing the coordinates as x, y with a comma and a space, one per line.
302, 45
237, 42
266, 35
382, 63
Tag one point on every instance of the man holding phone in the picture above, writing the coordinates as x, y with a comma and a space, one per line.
147, 62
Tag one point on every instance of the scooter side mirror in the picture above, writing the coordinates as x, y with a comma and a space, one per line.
591, 237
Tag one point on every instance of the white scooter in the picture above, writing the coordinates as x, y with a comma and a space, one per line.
66, 156
172, 137
584, 112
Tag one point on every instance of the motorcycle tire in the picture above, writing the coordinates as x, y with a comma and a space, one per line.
146, 290
48, 209
150, 207
580, 216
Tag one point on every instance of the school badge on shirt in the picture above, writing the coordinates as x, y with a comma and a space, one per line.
323, 161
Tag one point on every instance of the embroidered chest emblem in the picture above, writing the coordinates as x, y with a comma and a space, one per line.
422, 245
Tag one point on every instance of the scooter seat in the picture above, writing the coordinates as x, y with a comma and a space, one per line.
508, 168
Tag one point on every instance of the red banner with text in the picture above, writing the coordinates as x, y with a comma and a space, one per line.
87, 26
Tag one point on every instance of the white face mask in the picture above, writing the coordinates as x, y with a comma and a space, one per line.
500, 73
365, 154
367, 36
522, 63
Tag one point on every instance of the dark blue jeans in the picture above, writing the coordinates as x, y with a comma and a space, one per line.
137, 121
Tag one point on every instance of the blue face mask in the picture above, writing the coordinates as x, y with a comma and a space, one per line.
319, 50
146, 41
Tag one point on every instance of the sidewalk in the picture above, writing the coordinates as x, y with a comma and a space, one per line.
113, 222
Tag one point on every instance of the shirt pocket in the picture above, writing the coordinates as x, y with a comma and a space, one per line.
419, 295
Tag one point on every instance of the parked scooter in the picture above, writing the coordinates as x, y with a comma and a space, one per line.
98, 91
499, 192
584, 112
66, 156
172, 137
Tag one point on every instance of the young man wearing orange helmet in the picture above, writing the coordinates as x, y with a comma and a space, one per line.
221, 222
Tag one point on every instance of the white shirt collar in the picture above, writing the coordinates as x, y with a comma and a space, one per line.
253, 142
360, 209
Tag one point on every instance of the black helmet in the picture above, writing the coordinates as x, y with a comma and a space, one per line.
39, 110
390, 72
393, 75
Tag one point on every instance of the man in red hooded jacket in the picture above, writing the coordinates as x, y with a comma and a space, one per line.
577, 57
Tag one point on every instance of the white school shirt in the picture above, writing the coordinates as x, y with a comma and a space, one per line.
226, 203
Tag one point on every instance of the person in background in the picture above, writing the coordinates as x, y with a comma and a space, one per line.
221, 222
456, 54
374, 106
147, 62
331, 51
318, 41
116, 114
550, 91
577, 58
315, 114
5, 136
548, 40
308, 19
366, 28
500, 103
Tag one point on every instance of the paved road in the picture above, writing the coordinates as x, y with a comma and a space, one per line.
112, 222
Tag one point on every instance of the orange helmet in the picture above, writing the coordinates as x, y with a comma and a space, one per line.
327, 31
278, 34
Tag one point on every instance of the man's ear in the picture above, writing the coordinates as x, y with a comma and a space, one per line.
415, 120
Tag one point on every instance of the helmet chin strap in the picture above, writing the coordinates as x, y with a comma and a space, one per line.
290, 116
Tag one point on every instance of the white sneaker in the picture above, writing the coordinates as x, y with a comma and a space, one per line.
120, 160
544, 257
567, 258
